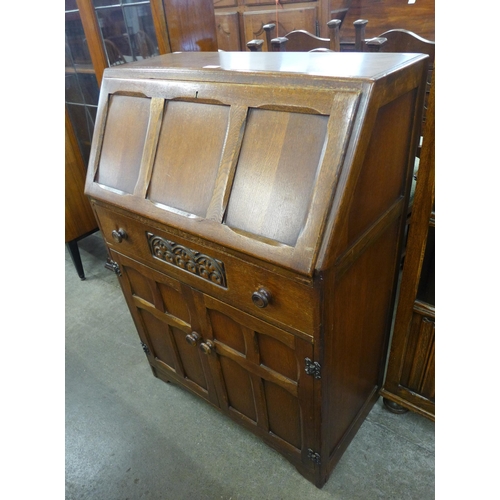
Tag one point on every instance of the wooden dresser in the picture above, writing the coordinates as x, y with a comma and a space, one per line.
254, 206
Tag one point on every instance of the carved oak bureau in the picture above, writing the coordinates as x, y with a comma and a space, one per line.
253, 206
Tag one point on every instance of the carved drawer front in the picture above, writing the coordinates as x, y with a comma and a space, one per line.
261, 378
163, 311
269, 296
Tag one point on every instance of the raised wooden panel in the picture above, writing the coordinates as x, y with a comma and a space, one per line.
123, 142
185, 126
227, 331
284, 414
278, 356
367, 286
379, 186
238, 385
160, 342
271, 196
288, 20
174, 302
228, 31
140, 285
190, 358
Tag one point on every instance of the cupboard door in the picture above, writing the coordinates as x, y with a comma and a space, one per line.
259, 371
162, 309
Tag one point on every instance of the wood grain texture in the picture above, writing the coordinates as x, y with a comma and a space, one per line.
123, 142
298, 193
185, 127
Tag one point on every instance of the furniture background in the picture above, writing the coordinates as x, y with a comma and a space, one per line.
239, 21
103, 33
410, 379
79, 217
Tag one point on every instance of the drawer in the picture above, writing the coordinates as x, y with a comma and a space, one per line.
253, 289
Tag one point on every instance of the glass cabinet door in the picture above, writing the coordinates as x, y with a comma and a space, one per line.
127, 30
81, 87
127, 34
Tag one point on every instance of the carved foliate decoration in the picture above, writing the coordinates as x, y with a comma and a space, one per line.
185, 258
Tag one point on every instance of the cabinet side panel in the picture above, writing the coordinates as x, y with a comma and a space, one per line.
383, 177
358, 319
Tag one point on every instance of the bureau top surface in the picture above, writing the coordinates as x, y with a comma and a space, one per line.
326, 64
245, 150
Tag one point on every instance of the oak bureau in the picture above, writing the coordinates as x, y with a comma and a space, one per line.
253, 206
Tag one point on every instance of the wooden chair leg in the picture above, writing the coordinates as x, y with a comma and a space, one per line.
75, 257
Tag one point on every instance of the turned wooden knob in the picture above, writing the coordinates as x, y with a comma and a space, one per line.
207, 347
261, 297
193, 338
119, 235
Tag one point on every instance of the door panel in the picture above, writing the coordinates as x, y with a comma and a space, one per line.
162, 310
261, 375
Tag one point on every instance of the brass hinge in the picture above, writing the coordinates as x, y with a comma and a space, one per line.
313, 368
314, 457
113, 266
